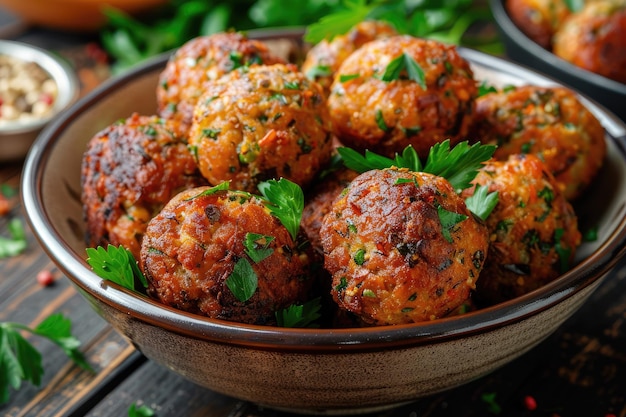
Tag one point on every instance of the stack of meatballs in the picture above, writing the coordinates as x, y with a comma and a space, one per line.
372, 245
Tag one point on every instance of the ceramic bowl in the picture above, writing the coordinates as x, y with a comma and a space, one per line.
73, 15
17, 136
330, 371
520, 48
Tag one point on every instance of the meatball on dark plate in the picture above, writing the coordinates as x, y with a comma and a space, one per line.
130, 170
401, 91
402, 247
551, 123
201, 60
538, 19
269, 121
210, 245
533, 229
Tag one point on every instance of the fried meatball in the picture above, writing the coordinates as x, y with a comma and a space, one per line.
263, 123
379, 102
201, 60
323, 59
319, 202
538, 19
402, 247
551, 123
204, 238
533, 229
130, 170
595, 39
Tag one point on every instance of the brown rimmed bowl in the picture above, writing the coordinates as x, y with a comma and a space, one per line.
330, 371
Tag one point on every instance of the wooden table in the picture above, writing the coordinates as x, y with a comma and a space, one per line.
578, 371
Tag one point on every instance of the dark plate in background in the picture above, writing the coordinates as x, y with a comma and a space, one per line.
522, 49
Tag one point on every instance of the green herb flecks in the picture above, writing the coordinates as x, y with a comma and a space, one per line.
561, 250
243, 281
116, 264
404, 67
449, 220
285, 201
16, 243
300, 315
257, 246
20, 361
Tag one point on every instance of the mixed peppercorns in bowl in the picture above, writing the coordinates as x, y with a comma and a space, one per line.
35, 85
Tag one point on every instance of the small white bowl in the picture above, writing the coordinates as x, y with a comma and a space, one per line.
17, 136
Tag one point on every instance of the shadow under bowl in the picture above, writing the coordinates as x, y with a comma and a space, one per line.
312, 371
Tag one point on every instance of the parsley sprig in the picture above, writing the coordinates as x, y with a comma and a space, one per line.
404, 63
459, 165
16, 243
21, 361
116, 264
285, 200
300, 315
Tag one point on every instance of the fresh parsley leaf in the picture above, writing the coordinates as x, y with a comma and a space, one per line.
362, 163
286, 202
257, 246
20, 361
380, 121
116, 264
16, 243
448, 220
484, 88
492, 404
482, 202
243, 281
141, 411
338, 22
563, 251
458, 165
224, 186
409, 159
300, 315
404, 62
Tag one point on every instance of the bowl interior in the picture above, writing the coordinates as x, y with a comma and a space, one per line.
51, 187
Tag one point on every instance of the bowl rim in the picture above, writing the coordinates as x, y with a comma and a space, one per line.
58, 69
588, 271
520, 38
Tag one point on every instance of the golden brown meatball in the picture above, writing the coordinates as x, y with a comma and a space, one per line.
263, 123
380, 102
320, 200
201, 60
323, 60
533, 229
130, 170
402, 247
549, 122
538, 19
595, 39
205, 240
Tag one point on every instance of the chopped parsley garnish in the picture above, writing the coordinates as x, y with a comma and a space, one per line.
243, 281
402, 64
21, 361
563, 252
448, 220
482, 203
300, 315
257, 246
359, 257
116, 264
140, 411
347, 77
285, 201
16, 243
380, 121
319, 71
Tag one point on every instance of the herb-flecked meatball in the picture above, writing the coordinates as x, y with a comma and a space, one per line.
595, 39
263, 123
538, 19
401, 91
201, 60
323, 60
533, 229
130, 170
402, 247
207, 241
320, 200
549, 122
